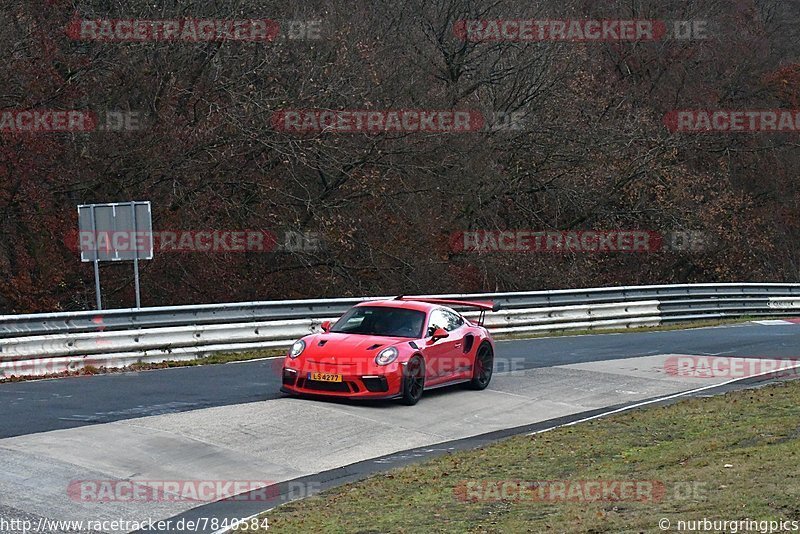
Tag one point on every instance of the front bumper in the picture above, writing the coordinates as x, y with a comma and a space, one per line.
375, 385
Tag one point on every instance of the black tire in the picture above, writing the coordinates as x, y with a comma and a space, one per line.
483, 367
413, 381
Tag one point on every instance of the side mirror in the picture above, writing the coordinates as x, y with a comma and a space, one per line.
439, 333
326, 326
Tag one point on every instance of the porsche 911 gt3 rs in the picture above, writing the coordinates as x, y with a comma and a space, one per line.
392, 349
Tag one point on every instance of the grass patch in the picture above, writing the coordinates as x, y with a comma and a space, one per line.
732, 456
217, 358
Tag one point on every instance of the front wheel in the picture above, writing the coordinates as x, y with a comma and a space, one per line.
484, 365
413, 381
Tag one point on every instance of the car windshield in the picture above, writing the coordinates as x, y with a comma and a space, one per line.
381, 321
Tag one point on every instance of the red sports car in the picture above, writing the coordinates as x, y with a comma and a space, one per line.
392, 349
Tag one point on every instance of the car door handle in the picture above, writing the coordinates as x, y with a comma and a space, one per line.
457, 345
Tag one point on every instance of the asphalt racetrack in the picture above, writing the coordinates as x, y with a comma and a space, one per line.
230, 422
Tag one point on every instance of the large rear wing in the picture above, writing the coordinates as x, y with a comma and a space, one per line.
482, 305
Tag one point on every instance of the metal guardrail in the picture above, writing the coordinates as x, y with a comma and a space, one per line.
53, 342
207, 314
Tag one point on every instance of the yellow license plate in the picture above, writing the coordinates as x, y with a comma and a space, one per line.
324, 377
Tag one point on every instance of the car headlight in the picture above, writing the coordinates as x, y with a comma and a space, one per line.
298, 347
386, 356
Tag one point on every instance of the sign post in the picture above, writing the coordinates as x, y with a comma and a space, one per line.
96, 262
121, 231
136, 261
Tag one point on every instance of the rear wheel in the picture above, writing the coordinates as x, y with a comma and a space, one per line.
413, 381
484, 365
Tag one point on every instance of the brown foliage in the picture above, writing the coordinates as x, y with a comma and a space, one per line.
594, 153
